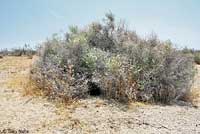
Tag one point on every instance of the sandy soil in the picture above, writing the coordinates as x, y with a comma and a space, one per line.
36, 114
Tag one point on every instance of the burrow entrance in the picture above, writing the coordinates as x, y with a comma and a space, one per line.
94, 89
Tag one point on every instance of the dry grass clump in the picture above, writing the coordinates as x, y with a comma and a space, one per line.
109, 60
194, 96
31, 89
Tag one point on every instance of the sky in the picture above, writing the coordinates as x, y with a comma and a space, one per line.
32, 21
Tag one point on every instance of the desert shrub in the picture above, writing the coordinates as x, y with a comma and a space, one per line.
194, 53
115, 61
197, 57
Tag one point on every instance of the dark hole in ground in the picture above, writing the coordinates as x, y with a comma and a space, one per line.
94, 89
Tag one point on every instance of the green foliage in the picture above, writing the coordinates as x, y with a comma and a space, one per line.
114, 63
95, 59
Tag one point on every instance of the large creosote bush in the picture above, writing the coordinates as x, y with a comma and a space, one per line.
110, 58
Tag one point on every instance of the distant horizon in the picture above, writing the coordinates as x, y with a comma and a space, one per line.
33, 21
